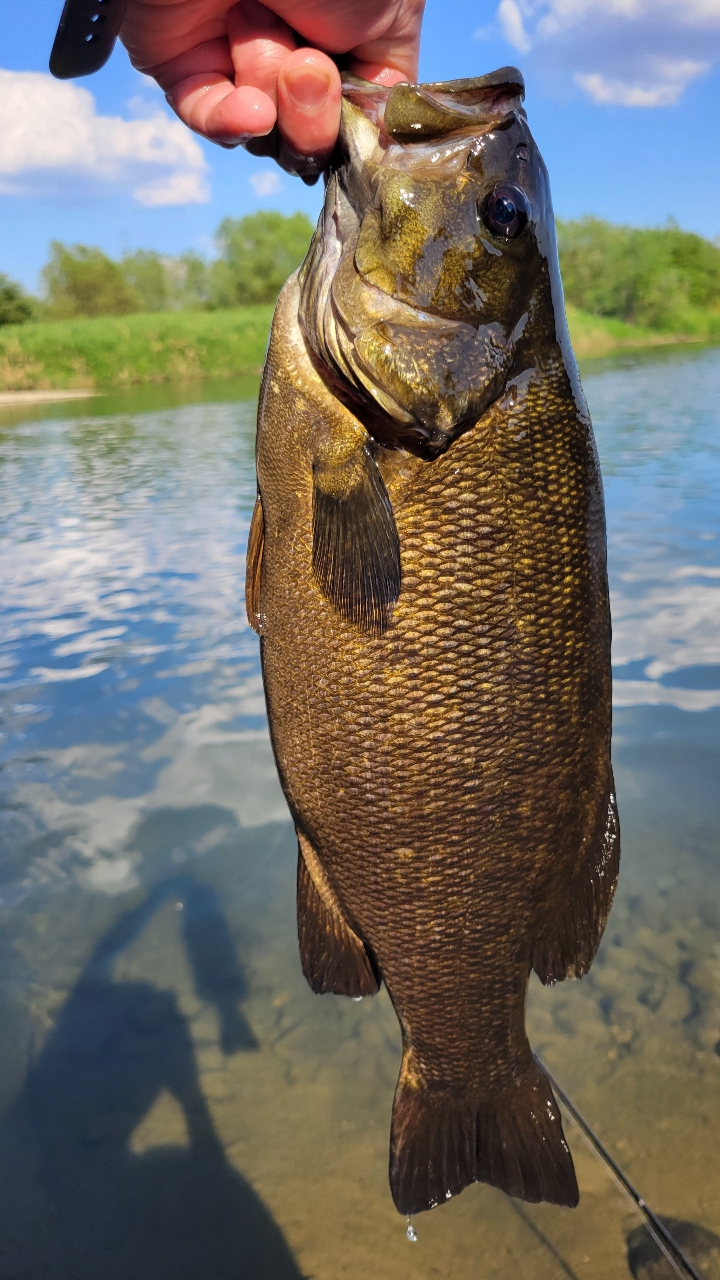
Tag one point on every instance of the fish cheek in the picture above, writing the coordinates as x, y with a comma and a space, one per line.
436, 258
387, 257
514, 281
419, 248
461, 287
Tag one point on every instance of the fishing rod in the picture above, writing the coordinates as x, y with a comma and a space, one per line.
680, 1263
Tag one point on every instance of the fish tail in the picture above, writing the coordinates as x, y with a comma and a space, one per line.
442, 1141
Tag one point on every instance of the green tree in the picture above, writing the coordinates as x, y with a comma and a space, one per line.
188, 281
145, 271
653, 277
257, 254
81, 281
15, 306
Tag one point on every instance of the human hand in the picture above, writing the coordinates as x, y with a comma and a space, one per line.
234, 71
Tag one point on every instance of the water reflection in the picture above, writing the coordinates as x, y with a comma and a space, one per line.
81, 1197
657, 427
174, 1096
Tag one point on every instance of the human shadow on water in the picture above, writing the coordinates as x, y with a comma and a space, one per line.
77, 1203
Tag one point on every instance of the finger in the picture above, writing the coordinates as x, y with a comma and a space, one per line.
259, 44
377, 72
397, 49
212, 57
226, 89
308, 96
210, 104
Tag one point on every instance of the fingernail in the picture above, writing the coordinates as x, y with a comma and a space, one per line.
308, 89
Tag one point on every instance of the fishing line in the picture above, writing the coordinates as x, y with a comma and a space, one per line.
680, 1263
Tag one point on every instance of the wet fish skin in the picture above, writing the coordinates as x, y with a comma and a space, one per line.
443, 736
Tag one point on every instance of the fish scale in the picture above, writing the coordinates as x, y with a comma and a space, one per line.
445, 754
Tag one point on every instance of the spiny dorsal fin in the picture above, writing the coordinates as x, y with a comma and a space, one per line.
356, 551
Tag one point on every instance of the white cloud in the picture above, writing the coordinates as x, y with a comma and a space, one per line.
175, 188
266, 183
511, 24
664, 90
630, 53
51, 138
486, 32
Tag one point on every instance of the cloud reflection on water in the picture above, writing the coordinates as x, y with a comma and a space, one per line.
657, 428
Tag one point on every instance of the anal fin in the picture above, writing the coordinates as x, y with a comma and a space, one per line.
333, 957
567, 948
442, 1140
356, 551
253, 567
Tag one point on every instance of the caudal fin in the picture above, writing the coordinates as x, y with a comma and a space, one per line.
441, 1141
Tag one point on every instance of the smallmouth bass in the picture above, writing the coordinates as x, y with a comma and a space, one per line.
426, 569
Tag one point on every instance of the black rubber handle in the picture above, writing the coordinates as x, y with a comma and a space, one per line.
86, 36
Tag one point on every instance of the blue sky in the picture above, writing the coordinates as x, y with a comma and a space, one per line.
623, 97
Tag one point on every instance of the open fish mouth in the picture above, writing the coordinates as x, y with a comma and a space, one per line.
410, 113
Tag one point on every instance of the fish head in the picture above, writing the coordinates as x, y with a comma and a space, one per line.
452, 227
433, 255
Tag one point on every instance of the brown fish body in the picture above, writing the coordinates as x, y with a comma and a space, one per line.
446, 759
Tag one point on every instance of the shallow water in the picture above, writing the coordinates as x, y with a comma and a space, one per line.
176, 1103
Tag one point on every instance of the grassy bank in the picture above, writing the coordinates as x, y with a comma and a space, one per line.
601, 335
109, 351
175, 346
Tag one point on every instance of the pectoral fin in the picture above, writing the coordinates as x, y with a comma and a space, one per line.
356, 551
253, 566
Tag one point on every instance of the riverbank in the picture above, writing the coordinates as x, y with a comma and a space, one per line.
121, 351
182, 346
594, 336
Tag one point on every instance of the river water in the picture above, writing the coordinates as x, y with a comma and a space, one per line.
175, 1101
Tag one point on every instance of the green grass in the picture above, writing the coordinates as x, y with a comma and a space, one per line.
600, 335
182, 346
109, 351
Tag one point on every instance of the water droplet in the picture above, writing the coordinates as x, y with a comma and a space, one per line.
411, 1233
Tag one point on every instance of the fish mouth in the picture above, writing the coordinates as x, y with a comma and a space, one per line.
411, 113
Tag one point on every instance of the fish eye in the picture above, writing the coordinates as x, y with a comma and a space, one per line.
505, 211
